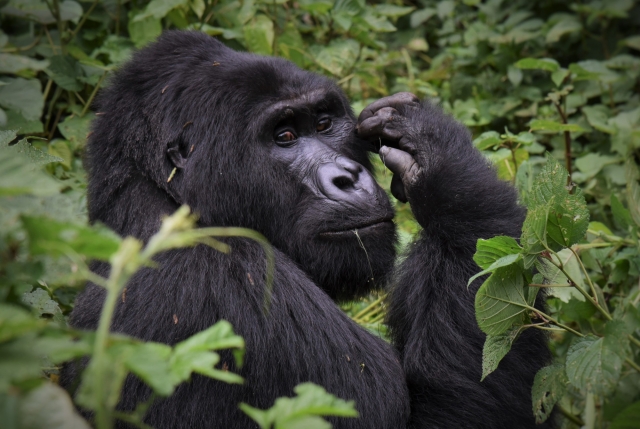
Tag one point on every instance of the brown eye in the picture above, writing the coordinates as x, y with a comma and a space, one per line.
323, 124
285, 137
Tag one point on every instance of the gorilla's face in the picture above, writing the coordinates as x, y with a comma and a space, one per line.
262, 144
342, 219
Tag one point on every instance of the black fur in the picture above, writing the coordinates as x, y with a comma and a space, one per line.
188, 102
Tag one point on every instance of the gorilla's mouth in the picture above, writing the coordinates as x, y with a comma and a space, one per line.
378, 224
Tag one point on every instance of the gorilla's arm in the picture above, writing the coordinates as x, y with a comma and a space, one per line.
457, 199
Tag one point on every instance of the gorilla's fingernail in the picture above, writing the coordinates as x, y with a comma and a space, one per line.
383, 151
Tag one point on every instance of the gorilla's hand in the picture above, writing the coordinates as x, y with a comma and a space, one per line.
388, 121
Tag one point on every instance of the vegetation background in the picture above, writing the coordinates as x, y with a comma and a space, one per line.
536, 82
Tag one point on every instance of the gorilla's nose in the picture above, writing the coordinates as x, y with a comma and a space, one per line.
345, 179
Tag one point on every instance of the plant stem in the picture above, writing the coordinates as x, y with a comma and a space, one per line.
634, 340
84, 18
632, 364
554, 321
584, 270
93, 94
567, 414
368, 308
567, 142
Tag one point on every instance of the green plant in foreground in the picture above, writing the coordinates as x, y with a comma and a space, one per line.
549, 256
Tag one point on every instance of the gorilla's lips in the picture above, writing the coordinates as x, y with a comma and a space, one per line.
362, 228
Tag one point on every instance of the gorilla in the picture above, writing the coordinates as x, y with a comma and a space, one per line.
258, 143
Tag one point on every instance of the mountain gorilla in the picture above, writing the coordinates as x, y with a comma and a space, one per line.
258, 143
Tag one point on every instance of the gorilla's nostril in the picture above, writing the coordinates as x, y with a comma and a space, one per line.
343, 182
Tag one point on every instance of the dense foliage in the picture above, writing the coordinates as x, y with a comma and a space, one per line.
545, 87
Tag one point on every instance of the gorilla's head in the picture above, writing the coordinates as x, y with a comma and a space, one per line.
255, 142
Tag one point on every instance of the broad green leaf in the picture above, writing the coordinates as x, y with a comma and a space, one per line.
592, 163
42, 303
56, 238
547, 125
553, 275
549, 386
259, 35
632, 42
421, 16
559, 76
319, 7
75, 129
515, 75
487, 140
10, 63
594, 364
338, 57
547, 64
289, 413
568, 24
65, 71
620, 213
534, 233
502, 262
627, 418
495, 348
144, 31
598, 116
491, 250
593, 70
22, 95
393, 11
150, 362
49, 406
39, 11
501, 302
16, 321
60, 149
195, 353
158, 9
19, 171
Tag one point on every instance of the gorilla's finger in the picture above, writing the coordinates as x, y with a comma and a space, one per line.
397, 188
375, 125
400, 163
395, 101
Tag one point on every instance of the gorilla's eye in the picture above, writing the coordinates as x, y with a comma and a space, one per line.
285, 137
323, 124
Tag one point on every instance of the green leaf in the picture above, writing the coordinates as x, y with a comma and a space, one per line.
547, 64
495, 348
259, 35
559, 76
47, 236
49, 406
338, 57
299, 412
598, 116
16, 321
594, 364
549, 386
65, 71
75, 129
490, 251
620, 213
592, 163
421, 16
568, 24
150, 362
627, 418
553, 275
158, 9
144, 31
393, 11
487, 140
534, 233
10, 63
547, 125
501, 301
39, 11
632, 42
515, 75
19, 172
42, 303
60, 149
22, 95
195, 353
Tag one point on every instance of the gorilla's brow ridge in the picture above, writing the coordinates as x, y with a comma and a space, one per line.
279, 109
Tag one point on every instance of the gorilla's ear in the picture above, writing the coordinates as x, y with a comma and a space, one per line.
178, 153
